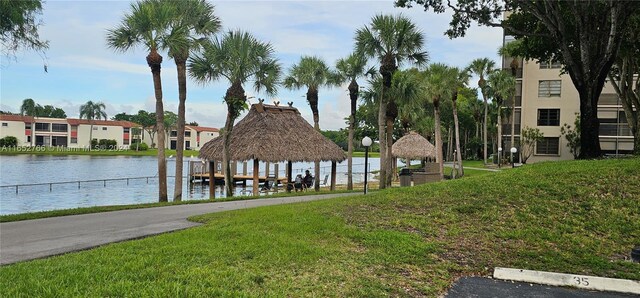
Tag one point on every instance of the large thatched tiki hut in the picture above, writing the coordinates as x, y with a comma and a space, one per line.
271, 133
414, 146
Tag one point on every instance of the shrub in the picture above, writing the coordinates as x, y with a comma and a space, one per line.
9, 141
107, 144
139, 146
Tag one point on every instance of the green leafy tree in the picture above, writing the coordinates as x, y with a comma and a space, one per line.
148, 122
584, 36
29, 108
170, 123
573, 136
459, 79
311, 73
482, 67
502, 86
193, 22
349, 70
122, 117
92, 111
391, 40
19, 26
529, 137
236, 57
147, 26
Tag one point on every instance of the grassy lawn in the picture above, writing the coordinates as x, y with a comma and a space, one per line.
361, 154
579, 217
71, 151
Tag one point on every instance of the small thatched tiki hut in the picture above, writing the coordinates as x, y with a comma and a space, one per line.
415, 146
272, 133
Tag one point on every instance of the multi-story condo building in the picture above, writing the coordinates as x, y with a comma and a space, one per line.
77, 133
546, 99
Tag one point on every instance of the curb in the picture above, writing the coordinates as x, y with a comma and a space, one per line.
568, 280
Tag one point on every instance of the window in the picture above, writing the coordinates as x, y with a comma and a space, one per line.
187, 134
42, 126
125, 141
104, 128
550, 65
5, 124
95, 128
126, 130
74, 128
174, 133
57, 127
549, 117
29, 139
549, 88
74, 140
549, 146
27, 126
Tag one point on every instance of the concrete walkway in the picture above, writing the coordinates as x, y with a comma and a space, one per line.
31, 239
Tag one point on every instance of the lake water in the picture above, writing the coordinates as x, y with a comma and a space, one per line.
30, 169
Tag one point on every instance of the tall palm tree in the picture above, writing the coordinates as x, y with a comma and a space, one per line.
349, 70
313, 73
438, 81
392, 40
503, 86
510, 50
92, 111
147, 26
459, 78
237, 57
194, 22
482, 67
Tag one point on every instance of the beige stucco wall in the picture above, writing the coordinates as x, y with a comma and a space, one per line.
14, 129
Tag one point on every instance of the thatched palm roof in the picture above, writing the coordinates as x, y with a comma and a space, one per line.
274, 134
413, 146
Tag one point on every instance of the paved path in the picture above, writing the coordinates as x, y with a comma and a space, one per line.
481, 287
31, 239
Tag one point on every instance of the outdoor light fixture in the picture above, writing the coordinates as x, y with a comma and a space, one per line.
366, 142
513, 151
499, 154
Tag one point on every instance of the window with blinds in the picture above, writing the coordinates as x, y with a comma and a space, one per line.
550, 65
549, 88
548, 117
548, 146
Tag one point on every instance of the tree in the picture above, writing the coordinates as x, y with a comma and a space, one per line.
146, 25
583, 35
528, 139
193, 22
459, 79
193, 123
392, 40
19, 26
29, 108
510, 49
502, 86
311, 72
170, 122
122, 117
482, 67
148, 122
349, 70
238, 57
50, 112
92, 111
573, 136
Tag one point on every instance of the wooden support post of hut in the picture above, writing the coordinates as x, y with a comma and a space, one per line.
289, 173
276, 176
333, 176
212, 179
256, 181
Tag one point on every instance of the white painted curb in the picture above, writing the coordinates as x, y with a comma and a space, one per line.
568, 280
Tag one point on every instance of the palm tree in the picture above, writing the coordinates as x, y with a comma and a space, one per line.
392, 40
311, 72
510, 49
459, 78
146, 25
502, 85
92, 111
482, 67
438, 82
193, 23
350, 69
238, 57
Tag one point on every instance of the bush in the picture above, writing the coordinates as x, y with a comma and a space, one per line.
94, 143
139, 147
9, 141
106, 144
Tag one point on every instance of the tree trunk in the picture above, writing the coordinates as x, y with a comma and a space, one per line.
90, 134
387, 68
154, 60
382, 132
484, 127
181, 66
436, 116
589, 123
353, 95
389, 156
499, 134
234, 98
312, 98
457, 130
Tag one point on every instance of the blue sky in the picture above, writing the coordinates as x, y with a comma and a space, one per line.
82, 68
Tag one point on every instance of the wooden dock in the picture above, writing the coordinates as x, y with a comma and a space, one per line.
237, 179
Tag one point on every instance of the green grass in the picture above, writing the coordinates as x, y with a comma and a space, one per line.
70, 151
579, 217
361, 154
96, 209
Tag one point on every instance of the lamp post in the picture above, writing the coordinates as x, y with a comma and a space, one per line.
499, 155
366, 142
513, 151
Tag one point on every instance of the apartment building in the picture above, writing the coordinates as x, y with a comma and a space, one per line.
72, 133
546, 99
194, 137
